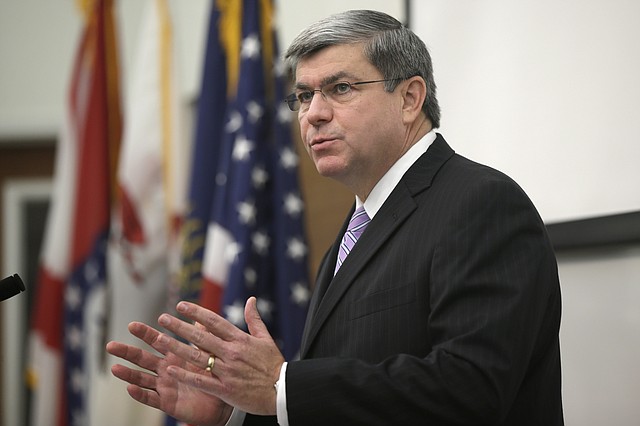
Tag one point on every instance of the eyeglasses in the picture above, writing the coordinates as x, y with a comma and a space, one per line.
337, 92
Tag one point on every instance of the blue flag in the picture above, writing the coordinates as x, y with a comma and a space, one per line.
246, 224
211, 113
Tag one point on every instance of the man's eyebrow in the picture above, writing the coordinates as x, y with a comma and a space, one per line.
328, 80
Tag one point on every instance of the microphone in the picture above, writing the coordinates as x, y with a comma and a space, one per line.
11, 286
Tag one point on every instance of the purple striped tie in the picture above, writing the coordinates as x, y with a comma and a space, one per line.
357, 225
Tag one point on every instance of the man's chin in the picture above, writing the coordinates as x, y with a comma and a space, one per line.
329, 169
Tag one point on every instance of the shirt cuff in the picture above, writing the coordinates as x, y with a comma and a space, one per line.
237, 418
281, 397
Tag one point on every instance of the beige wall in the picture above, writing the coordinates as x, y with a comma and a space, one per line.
38, 38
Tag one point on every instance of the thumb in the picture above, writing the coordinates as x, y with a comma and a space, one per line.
256, 326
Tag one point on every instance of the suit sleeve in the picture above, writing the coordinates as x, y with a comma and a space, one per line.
491, 282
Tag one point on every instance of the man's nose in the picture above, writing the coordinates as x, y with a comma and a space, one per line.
319, 108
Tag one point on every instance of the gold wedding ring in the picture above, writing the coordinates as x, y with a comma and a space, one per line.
210, 363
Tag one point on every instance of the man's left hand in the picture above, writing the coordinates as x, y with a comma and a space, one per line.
245, 365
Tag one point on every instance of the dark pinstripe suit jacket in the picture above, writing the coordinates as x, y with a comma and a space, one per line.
446, 312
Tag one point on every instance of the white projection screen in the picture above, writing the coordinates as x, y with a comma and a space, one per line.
547, 91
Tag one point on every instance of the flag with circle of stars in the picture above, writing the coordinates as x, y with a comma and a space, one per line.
246, 167
67, 336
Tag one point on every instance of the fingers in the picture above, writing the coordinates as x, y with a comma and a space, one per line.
219, 326
134, 355
189, 353
147, 334
212, 321
134, 377
142, 385
208, 383
145, 396
210, 332
254, 322
140, 357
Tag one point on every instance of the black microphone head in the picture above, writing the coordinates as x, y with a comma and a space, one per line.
11, 286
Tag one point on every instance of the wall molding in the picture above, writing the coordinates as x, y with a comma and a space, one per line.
610, 230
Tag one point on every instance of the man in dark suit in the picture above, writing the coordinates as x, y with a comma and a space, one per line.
445, 312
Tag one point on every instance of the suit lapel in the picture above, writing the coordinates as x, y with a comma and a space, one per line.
395, 210
327, 267
323, 279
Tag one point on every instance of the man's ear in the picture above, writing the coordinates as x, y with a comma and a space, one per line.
414, 95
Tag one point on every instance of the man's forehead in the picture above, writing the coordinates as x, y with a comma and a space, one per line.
309, 80
332, 63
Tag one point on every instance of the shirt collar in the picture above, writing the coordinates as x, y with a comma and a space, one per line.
388, 182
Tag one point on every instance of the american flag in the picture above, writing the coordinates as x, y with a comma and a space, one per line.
246, 224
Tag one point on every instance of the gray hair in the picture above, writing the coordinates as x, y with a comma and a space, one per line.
396, 51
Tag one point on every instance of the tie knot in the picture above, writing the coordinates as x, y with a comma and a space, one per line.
358, 221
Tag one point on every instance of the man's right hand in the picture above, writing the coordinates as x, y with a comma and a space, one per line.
156, 388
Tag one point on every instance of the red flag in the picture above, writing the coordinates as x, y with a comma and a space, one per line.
143, 256
72, 271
